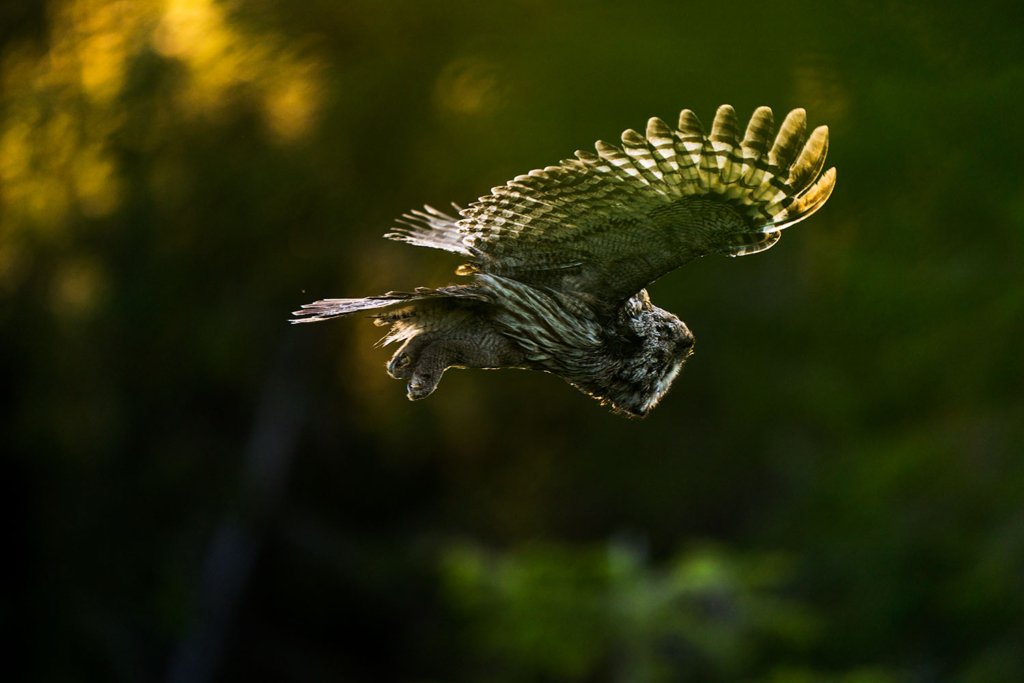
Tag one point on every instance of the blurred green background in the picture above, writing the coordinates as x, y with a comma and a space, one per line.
197, 491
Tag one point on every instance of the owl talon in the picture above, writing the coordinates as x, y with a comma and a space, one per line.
400, 366
420, 387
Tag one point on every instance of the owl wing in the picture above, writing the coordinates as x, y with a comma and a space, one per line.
407, 309
431, 228
605, 225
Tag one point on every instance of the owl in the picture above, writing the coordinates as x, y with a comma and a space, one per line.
559, 258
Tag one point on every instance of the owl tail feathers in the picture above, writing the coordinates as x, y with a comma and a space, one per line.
326, 309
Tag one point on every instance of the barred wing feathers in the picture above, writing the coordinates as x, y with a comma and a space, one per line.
608, 224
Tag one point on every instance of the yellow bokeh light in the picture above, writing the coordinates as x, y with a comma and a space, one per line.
77, 288
291, 105
220, 58
469, 85
64, 113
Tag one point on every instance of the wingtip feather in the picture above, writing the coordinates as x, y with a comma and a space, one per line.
791, 137
689, 124
725, 128
759, 132
808, 165
810, 201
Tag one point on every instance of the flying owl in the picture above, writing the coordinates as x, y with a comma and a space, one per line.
559, 258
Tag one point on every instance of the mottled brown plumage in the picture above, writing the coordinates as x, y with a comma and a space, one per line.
559, 258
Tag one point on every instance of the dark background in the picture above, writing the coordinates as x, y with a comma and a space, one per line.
195, 490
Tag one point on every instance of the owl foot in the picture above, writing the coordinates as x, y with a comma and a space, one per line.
421, 386
400, 366
422, 362
424, 358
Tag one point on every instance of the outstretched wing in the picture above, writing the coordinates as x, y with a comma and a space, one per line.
605, 225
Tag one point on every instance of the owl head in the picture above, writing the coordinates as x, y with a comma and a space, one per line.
653, 349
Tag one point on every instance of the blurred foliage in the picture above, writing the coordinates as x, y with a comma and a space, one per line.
574, 613
832, 492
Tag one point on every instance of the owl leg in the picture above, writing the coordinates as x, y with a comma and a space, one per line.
424, 358
422, 361
401, 364
428, 371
